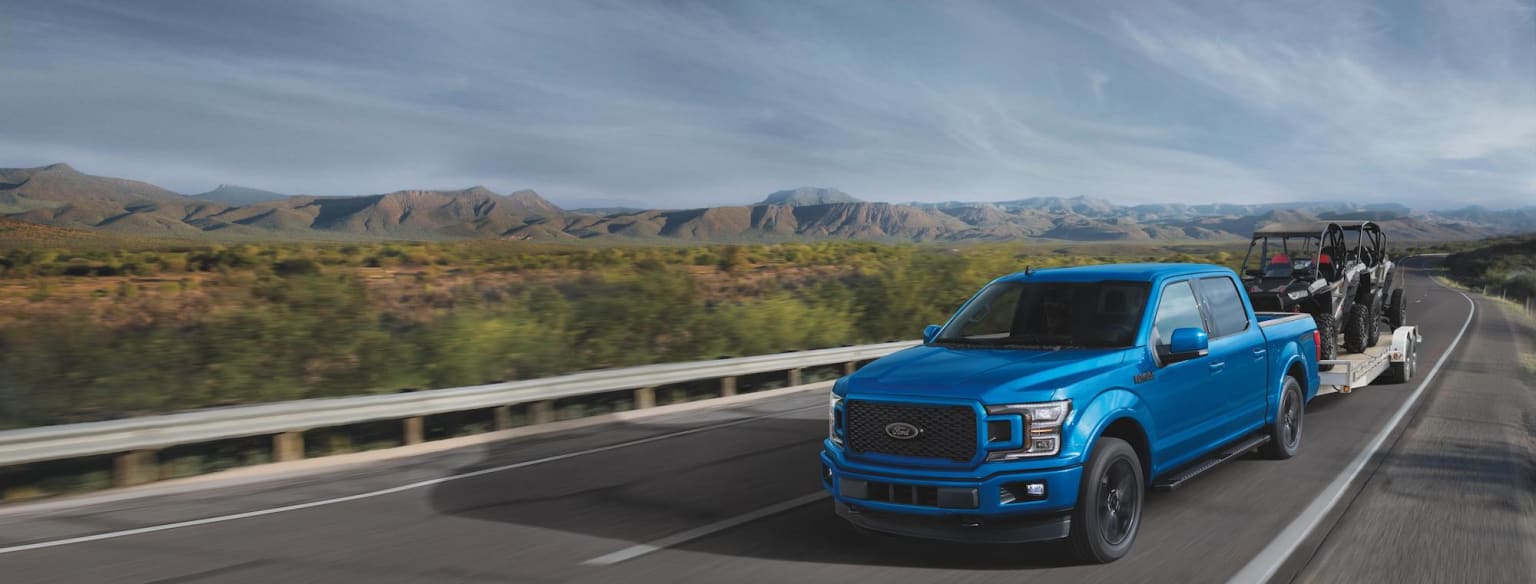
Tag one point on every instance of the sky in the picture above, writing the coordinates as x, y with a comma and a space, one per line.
683, 104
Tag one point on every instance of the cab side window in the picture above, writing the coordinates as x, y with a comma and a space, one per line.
1177, 309
1228, 317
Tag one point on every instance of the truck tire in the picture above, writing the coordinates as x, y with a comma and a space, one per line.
1328, 335
1109, 500
1357, 328
1402, 371
1285, 431
1397, 310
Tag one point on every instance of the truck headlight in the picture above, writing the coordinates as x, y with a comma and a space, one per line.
833, 416
1042, 428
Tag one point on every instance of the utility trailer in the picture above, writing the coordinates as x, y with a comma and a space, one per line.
1393, 359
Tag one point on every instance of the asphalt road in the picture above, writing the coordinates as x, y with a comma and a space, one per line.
732, 495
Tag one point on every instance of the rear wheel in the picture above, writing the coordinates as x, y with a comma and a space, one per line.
1357, 328
1373, 330
1397, 310
1328, 335
1285, 432
1109, 501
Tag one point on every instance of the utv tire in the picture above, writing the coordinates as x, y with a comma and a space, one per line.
1285, 431
1328, 335
1373, 333
1357, 328
1109, 501
1397, 310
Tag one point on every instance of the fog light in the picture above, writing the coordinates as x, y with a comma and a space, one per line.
1022, 492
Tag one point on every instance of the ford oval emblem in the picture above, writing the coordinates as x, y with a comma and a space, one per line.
902, 430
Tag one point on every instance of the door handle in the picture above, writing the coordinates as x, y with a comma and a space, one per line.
1217, 366
1260, 352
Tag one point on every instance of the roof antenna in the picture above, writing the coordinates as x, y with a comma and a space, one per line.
1029, 271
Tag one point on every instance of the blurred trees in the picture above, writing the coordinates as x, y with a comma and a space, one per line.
287, 321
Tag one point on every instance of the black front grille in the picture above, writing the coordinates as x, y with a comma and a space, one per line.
920, 495
947, 432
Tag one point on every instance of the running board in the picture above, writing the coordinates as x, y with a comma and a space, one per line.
1226, 453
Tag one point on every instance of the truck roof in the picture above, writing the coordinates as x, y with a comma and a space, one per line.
1148, 272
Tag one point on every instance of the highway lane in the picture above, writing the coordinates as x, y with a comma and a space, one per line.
1455, 498
541, 523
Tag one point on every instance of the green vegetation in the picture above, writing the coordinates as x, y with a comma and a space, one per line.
102, 333
1506, 266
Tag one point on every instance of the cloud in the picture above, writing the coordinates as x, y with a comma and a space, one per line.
684, 104
1097, 81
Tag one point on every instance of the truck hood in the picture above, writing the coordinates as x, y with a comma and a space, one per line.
991, 375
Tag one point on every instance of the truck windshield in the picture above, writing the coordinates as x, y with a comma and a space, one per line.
1049, 314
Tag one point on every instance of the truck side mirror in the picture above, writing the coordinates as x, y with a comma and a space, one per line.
930, 332
1186, 344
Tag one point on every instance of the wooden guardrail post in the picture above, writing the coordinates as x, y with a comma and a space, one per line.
503, 415
645, 397
135, 468
288, 446
728, 386
849, 367
413, 430
541, 412
795, 376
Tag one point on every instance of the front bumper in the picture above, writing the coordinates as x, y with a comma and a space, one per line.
960, 528
994, 508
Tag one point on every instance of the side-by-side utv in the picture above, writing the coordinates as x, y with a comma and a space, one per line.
1336, 271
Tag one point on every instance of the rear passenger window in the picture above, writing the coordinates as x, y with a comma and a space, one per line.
1228, 316
1177, 309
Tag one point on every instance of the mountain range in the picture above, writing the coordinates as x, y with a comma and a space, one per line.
58, 195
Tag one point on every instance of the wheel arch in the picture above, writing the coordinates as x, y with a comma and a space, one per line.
1119, 413
1128, 429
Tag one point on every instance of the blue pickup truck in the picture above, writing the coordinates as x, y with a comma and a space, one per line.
1054, 399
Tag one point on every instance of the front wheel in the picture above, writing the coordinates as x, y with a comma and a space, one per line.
1285, 432
1109, 502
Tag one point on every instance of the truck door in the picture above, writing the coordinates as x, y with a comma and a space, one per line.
1183, 397
1239, 357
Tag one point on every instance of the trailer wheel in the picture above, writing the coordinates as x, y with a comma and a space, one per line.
1109, 502
1357, 328
1397, 310
1328, 334
1285, 432
1403, 371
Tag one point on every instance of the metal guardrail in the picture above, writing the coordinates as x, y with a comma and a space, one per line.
136, 439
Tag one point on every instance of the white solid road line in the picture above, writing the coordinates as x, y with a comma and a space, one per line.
636, 551
388, 491
1263, 566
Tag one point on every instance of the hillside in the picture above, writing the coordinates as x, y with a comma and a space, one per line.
238, 195
60, 196
808, 196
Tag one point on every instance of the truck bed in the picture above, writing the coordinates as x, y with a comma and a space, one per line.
1273, 318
